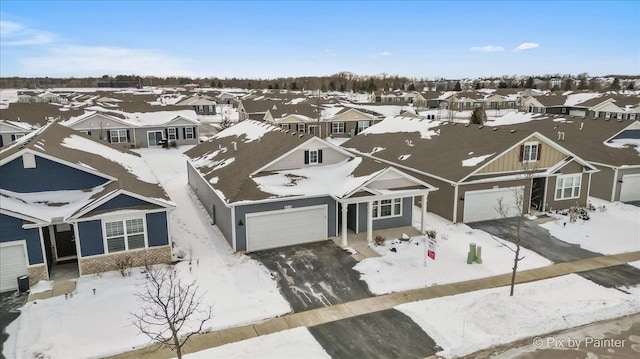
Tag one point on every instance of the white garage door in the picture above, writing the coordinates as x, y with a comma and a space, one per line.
630, 189
13, 263
482, 205
286, 227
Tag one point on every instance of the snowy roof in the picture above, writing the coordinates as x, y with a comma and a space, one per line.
125, 169
36, 113
137, 119
229, 160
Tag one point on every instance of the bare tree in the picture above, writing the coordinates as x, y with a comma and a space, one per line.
505, 210
170, 312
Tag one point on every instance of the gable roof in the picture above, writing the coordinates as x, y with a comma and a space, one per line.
122, 169
36, 113
450, 152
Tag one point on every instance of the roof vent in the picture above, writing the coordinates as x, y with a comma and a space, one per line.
512, 131
480, 127
494, 129
581, 125
560, 135
235, 145
466, 125
300, 135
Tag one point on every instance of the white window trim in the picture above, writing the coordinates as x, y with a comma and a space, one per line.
337, 127
376, 204
524, 151
301, 127
189, 134
310, 157
126, 242
575, 175
17, 136
118, 136
173, 136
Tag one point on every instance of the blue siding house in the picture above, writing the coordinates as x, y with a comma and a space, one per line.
266, 187
68, 198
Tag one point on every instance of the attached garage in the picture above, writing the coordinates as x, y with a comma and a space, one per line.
13, 263
630, 188
482, 205
286, 227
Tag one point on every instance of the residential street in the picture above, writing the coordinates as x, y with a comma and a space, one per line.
538, 240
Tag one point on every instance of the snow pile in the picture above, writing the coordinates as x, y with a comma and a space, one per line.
404, 124
596, 234
292, 343
336, 180
134, 164
576, 98
404, 269
239, 289
624, 142
251, 130
465, 323
473, 161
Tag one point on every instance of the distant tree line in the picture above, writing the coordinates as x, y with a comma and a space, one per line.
342, 81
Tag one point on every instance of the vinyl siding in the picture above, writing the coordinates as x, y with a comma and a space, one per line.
11, 230
385, 223
552, 204
157, 230
602, 183
121, 201
90, 234
210, 200
47, 176
296, 158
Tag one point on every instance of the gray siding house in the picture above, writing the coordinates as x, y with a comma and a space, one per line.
266, 187
67, 197
142, 129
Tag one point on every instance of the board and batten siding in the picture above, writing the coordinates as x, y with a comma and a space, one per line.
46, 176
510, 161
11, 230
211, 203
241, 211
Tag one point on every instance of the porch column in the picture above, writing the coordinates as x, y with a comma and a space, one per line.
369, 222
344, 224
423, 214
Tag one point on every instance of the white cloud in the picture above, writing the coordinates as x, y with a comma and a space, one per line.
488, 48
384, 53
526, 46
14, 34
73, 60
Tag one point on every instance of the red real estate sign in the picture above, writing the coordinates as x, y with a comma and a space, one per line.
431, 252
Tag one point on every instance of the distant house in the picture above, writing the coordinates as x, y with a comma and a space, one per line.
141, 129
12, 130
475, 167
265, 187
200, 105
350, 122
69, 197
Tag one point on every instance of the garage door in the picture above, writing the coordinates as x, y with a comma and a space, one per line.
13, 263
630, 189
286, 227
482, 205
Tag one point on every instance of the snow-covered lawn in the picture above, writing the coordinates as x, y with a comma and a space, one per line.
613, 231
239, 289
465, 323
292, 343
405, 269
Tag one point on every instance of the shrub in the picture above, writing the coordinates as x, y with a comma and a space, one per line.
124, 265
432, 233
379, 240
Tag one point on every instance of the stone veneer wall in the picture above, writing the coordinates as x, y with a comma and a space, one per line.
139, 258
37, 273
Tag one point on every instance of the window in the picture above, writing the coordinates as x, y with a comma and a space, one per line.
564, 110
15, 136
301, 127
188, 133
632, 116
285, 126
337, 127
387, 208
568, 187
124, 235
118, 136
530, 152
363, 125
313, 156
86, 132
172, 133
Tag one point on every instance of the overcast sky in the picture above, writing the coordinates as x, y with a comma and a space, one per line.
263, 39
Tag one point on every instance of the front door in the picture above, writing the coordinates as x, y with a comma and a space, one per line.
65, 242
537, 194
155, 138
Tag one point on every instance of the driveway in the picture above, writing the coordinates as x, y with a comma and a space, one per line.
386, 334
10, 302
540, 241
314, 275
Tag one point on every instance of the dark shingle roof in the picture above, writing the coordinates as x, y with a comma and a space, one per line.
36, 113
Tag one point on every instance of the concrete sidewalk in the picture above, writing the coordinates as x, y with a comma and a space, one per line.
383, 302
